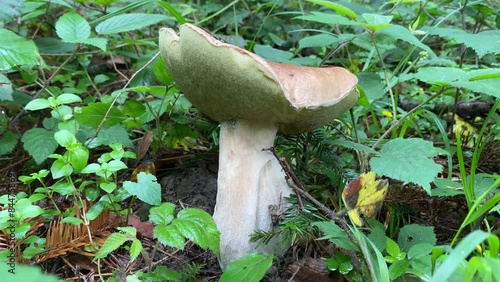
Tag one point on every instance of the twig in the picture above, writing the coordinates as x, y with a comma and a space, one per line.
295, 183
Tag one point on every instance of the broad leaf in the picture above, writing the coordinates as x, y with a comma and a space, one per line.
113, 242
127, 22
163, 214
94, 113
39, 143
72, 28
5, 88
250, 268
17, 51
489, 84
413, 234
8, 142
484, 42
318, 40
169, 235
146, 188
327, 18
341, 10
401, 33
408, 160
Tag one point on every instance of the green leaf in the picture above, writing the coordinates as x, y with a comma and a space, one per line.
72, 220
351, 145
8, 142
376, 22
65, 138
178, 16
318, 40
341, 10
163, 214
408, 160
250, 268
413, 234
97, 42
64, 188
327, 18
113, 242
108, 187
162, 273
146, 188
484, 42
398, 268
94, 113
39, 143
10, 9
135, 249
72, 28
114, 134
169, 235
398, 32
462, 79
458, 255
199, 227
5, 88
26, 273
127, 22
392, 248
67, 98
420, 250
17, 51
273, 54
372, 85
335, 234
60, 169
78, 157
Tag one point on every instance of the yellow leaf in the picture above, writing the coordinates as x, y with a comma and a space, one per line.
364, 196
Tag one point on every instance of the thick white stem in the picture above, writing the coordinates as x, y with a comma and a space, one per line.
249, 181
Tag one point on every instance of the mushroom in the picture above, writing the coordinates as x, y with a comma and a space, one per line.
252, 99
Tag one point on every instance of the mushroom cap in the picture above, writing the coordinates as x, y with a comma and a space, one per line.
227, 83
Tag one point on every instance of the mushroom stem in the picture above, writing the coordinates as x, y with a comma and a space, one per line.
249, 180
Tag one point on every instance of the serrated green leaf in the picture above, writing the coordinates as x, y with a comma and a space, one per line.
146, 188
113, 242
39, 143
135, 249
462, 78
401, 33
17, 51
169, 235
94, 113
163, 214
127, 22
408, 160
250, 268
113, 134
8, 142
5, 88
484, 42
376, 22
72, 28
413, 234
97, 42
192, 231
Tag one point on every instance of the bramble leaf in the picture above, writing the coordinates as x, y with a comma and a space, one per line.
408, 160
40, 143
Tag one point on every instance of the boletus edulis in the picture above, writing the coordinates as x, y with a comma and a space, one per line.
253, 99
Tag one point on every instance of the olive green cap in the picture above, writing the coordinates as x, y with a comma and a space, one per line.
227, 83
